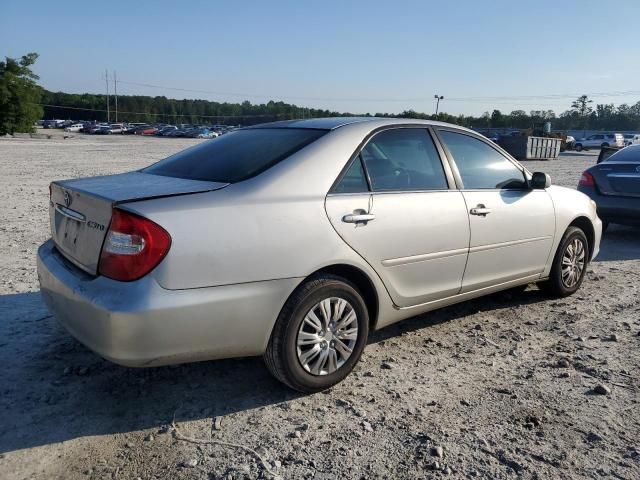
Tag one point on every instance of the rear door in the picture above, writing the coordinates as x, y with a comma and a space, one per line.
512, 226
394, 206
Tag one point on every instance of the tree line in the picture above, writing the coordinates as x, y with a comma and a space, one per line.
23, 102
139, 108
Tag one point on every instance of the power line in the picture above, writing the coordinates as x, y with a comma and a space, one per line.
562, 96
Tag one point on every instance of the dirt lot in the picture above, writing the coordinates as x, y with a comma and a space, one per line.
494, 388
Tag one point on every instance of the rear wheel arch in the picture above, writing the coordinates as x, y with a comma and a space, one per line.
584, 224
361, 281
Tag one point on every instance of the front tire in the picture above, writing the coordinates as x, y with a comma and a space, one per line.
569, 265
578, 147
319, 335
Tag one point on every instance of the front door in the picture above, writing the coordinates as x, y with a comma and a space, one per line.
512, 226
394, 207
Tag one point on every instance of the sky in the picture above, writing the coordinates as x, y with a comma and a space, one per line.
356, 56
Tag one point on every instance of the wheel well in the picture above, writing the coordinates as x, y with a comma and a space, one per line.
362, 281
584, 224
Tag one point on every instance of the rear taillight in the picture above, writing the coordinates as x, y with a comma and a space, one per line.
133, 247
586, 180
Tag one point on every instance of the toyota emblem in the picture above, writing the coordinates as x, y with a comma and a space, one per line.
67, 198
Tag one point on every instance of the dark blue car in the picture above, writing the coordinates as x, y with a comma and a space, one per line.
614, 185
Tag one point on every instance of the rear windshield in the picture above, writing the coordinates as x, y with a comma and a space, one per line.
235, 156
627, 154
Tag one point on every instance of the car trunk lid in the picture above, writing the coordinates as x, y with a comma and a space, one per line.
80, 210
618, 178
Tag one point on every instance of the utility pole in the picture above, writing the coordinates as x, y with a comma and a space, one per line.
438, 98
106, 78
115, 92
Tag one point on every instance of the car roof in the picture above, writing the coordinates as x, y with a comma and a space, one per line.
332, 123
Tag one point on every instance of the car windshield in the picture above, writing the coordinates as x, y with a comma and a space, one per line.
628, 154
236, 156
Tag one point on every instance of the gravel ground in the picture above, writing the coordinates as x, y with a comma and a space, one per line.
511, 385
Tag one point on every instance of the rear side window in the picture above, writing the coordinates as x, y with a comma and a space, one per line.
353, 180
629, 154
236, 156
403, 159
480, 165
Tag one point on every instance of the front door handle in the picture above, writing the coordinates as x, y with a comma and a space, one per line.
480, 210
358, 217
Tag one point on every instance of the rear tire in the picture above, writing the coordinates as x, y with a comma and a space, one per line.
569, 265
604, 145
312, 346
578, 147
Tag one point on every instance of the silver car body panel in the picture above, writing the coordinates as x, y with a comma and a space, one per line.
412, 233
140, 324
511, 242
238, 252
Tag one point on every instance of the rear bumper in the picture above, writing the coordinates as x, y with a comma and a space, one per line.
614, 209
140, 324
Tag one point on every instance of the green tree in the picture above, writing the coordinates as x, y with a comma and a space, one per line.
582, 106
19, 95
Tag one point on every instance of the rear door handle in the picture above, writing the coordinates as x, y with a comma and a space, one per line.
357, 218
480, 210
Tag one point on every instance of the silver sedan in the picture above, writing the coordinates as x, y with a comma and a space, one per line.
293, 240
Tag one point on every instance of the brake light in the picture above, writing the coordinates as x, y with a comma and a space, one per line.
586, 180
134, 246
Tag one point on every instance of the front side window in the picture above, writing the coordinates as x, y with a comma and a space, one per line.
403, 159
480, 165
236, 156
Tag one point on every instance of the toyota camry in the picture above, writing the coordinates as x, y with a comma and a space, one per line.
293, 240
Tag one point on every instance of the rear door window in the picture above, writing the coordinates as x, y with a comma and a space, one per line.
628, 154
236, 156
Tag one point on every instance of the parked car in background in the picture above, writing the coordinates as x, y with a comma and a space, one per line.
97, 128
76, 127
52, 123
166, 130
132, 128
201, 133
178, 132
631, 139
600, 140
148, 130
115, 128
614, 184
103, 130
293, 239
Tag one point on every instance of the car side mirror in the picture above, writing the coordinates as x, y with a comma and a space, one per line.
540, 181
